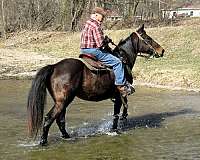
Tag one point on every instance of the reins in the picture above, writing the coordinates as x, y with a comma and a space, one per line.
125, 105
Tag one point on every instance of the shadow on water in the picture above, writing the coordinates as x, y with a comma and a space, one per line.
153, 120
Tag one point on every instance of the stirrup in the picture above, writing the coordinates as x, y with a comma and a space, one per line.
128, 90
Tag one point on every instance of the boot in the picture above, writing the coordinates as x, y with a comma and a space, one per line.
126, 89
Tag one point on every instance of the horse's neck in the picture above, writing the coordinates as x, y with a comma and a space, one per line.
131, 59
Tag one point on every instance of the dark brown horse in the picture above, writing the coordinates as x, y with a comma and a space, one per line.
70, 78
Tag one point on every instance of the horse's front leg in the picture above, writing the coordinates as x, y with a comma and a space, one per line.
125, 108
117, 108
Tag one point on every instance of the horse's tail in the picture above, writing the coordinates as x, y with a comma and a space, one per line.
37, 99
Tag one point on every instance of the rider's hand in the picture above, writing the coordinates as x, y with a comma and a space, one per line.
107, 39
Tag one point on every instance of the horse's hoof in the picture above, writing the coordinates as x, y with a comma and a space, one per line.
66, 136
43, 142
124, 117
115, 131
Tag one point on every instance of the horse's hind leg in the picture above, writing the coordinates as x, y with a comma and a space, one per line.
59, 108
48, 120
60, 120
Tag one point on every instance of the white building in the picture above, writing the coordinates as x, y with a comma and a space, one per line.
181, 12
114, 18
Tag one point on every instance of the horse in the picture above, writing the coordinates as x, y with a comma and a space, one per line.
70, 78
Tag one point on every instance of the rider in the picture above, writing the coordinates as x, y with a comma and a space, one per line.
91, 40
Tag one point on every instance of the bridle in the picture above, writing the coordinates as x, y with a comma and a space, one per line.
124, 52
142, 55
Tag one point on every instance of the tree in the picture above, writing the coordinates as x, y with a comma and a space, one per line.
77, 8
3, 19
68, 15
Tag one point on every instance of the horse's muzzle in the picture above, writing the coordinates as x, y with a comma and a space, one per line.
158, 55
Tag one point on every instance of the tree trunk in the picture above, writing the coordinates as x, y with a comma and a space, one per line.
76, 12
3, 19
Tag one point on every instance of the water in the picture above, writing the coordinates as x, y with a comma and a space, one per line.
162, 124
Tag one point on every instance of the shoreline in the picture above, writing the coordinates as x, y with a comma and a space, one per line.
20, 65
168, 87
30, 76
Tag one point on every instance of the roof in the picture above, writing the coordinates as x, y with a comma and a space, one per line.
178, 9
186, 6
190, 6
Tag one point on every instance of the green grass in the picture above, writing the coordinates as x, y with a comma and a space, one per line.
180, 66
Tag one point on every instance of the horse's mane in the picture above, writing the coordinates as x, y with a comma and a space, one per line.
122, 41
131, 37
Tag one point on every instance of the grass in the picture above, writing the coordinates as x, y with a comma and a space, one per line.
180, 66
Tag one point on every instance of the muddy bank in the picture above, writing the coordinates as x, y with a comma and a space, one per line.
16, 64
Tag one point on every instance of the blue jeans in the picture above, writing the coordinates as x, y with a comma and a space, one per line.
109, 60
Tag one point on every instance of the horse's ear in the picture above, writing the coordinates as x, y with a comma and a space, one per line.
141, 29
142, 26
120, 41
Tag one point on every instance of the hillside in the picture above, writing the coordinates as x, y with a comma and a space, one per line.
178, 68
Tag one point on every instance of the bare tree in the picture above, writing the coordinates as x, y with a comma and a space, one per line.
3, 19
68, 15
77, 8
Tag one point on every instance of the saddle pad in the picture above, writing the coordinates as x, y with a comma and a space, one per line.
94, 65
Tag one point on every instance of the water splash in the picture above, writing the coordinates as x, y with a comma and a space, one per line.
89, 130
28, 144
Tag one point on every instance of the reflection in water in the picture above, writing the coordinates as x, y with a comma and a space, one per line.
162, 124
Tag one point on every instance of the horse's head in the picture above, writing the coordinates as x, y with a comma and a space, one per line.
141, 46
129, 48
159, 50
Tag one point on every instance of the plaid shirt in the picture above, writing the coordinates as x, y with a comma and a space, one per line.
92, 34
